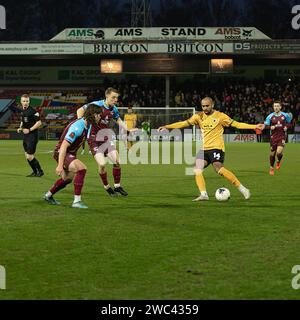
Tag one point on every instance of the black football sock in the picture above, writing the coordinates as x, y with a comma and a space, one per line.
37, 165
31, 163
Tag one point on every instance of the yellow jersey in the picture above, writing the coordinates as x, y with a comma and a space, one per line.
130, 120
212, 127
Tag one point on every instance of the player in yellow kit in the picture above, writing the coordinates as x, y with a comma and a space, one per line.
130, 119
212, 123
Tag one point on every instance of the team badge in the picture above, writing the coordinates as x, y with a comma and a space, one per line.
72, 135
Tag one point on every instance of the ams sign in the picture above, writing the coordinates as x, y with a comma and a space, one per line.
244, 138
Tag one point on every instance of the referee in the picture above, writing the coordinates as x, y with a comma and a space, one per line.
29, 126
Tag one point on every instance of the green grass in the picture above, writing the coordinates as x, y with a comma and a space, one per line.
156, 243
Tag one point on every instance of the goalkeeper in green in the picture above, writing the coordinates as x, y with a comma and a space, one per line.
146, 128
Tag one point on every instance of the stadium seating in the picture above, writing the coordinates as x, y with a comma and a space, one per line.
244, 100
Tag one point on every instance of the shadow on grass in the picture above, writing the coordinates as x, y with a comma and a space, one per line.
11, 174
45, 177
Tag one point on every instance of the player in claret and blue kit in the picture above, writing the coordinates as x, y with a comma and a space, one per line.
65, 154
278, 122
101, 140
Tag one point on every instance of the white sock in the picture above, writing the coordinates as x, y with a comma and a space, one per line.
48, 194
204, 193
241, 188
77, 198
106, 187
117, 185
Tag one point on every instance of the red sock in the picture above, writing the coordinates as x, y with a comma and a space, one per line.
103, 177
117, 174
59, 184
78, 181
272, 161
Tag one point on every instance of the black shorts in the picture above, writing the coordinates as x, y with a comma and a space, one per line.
30, 141
213, 155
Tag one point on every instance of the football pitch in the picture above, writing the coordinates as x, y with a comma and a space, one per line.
156, 243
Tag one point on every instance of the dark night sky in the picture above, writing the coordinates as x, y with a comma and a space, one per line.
42, 19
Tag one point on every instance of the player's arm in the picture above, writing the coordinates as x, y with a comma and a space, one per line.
194, 120
267, 122
176, 125
36, 125
288, 120
226, 121
122, 124
20, 127
80, 112
244, 126
61, 158
119, 121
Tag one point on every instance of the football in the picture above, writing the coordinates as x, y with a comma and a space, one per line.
222, 194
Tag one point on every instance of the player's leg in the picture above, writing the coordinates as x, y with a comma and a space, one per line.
79, 169
127, 141
131, 138
59, 184
217, 162
101, 161
200, 181
31, 143
25, 147
272, 158
279, 154
35, 165
129, 144
114, 157
201, 162
65, 178
34, 171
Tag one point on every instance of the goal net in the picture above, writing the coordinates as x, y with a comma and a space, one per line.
159, 116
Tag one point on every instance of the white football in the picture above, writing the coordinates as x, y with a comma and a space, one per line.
222, 194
